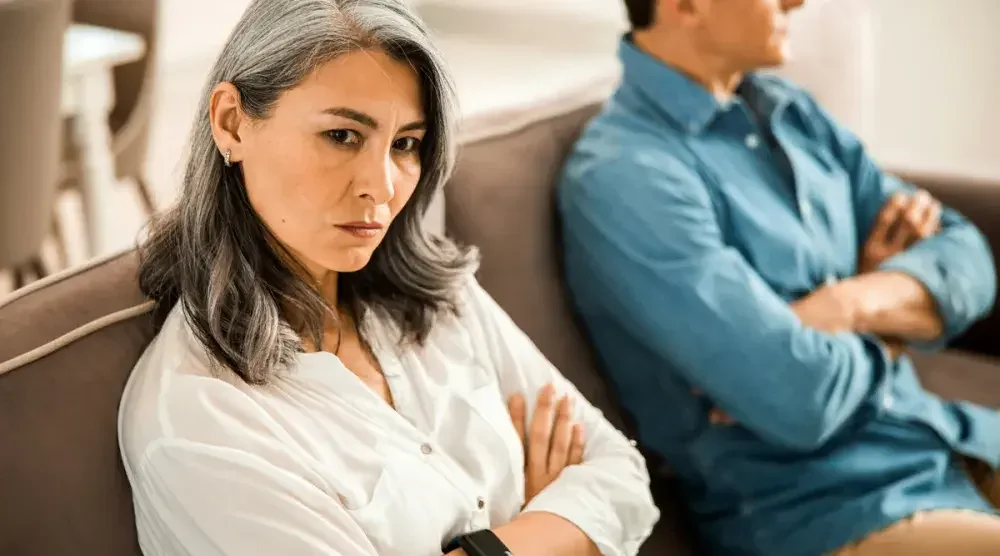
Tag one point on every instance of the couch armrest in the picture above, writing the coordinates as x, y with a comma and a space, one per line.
979, 201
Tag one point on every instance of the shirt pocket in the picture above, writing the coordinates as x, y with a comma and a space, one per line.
490, 449
399, 515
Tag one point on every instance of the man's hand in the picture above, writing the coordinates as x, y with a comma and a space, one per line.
549, 447
903, 221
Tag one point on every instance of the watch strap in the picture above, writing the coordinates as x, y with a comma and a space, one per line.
483, 543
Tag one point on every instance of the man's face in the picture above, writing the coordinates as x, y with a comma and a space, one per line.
749, 34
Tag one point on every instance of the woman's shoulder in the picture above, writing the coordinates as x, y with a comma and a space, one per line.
175, 394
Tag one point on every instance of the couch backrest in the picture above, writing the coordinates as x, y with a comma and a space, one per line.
502, 199
69, 343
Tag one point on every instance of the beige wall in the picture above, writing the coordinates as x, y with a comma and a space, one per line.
937, 102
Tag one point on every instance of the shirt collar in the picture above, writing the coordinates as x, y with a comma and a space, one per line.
682, 99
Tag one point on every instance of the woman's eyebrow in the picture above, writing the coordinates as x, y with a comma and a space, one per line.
368, 121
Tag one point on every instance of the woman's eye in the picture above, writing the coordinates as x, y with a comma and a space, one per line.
406, 144
344, 136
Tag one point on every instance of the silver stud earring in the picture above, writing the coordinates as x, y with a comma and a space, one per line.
225, 157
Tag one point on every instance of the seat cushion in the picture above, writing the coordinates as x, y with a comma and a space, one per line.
69, 344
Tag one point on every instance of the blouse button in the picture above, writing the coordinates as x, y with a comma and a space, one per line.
426, 449
752, 141
480, 502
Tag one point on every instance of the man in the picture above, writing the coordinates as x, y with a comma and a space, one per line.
749, 277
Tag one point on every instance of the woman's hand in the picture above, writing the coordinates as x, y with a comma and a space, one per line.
551, 442
903, 221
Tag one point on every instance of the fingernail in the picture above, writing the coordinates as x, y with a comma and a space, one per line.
548, 392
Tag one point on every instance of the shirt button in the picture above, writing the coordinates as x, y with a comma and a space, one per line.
752, 141
480, 503
426, 449
805, 208
633, 443
831, 279
887, 401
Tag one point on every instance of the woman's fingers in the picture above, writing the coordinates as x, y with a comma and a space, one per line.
518, 409
577, 445
540, 431
562, 436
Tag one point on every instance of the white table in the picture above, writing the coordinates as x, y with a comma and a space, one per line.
88, 96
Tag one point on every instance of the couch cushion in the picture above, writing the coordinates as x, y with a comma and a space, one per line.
69, 343
958, 375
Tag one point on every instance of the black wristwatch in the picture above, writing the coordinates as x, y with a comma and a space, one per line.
480, 543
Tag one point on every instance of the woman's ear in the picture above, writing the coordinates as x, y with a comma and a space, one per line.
226, 116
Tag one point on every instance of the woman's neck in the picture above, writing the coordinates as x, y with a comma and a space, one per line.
712, 72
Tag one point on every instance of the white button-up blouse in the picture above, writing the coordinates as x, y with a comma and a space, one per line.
316, 463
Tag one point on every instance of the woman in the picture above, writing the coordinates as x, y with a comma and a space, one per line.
327, 378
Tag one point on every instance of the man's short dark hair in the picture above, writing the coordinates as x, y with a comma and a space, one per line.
640, 12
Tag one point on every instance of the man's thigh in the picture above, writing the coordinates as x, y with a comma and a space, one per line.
934, 533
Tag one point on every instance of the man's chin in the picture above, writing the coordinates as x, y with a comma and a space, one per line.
775, 59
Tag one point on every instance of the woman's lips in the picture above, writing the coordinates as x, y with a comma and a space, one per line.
363, 231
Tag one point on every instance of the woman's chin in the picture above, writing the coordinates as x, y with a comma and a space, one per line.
346, 260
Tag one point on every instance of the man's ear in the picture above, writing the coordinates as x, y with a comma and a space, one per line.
682, 13
226, 116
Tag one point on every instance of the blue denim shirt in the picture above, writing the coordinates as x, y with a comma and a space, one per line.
689, 227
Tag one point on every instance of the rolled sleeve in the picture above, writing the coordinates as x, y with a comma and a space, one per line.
956, 268
581, 496
607, 497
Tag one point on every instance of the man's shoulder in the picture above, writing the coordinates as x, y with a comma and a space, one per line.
621, 147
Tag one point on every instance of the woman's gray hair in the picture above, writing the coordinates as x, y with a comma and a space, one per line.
213, 254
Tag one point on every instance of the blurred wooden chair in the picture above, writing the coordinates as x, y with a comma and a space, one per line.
131, 118
31, 53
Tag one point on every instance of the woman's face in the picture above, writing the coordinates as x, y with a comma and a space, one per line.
336, 160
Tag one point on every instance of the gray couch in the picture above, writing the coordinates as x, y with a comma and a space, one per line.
68, 343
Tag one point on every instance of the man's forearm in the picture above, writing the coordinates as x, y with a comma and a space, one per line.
542, 534
894, 304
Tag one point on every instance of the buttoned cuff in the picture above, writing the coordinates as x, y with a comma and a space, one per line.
595, 517
926, 269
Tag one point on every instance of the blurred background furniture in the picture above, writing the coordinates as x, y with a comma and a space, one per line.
110, 78
31, 54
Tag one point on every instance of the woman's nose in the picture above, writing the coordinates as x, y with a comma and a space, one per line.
376, 179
